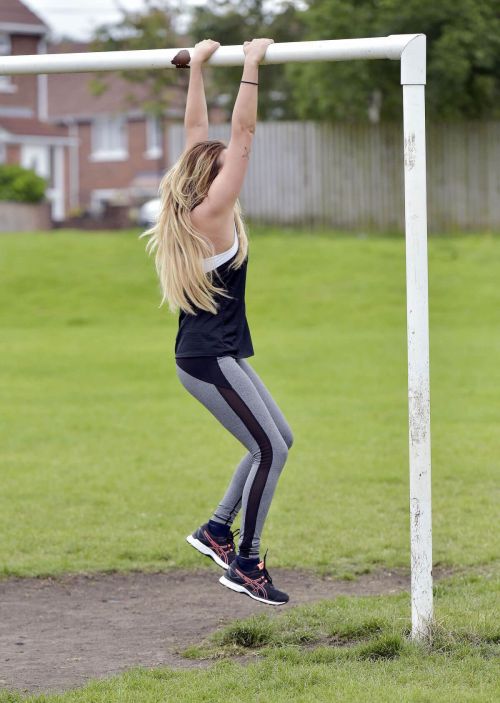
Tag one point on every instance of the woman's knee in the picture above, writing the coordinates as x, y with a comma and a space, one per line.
274, 450
280, 450
287, 435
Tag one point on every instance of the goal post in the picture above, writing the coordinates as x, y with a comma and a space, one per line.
410, 50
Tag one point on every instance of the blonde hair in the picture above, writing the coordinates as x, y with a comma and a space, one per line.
180, 248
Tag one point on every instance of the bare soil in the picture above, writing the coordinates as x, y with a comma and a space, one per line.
57, 633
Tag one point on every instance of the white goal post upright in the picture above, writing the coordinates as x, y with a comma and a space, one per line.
410, 50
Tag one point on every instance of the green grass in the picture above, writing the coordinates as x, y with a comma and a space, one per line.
99, 466
349, 649
369, 627
100, 470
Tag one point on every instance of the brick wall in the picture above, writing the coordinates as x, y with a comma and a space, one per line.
13, 153
24, 217
26, 93
115, 174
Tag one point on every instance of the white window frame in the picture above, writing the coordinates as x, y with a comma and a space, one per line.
6, 84
38, 158
104, 132
154, 137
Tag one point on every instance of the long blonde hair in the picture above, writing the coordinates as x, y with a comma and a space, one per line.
180, 247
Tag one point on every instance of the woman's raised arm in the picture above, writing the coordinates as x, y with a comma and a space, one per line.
196, 115
226, 186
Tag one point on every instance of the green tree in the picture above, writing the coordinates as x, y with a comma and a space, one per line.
21, 184
226, 21
152, 29
463, 59
231, 22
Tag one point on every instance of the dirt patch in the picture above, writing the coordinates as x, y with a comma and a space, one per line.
58, 633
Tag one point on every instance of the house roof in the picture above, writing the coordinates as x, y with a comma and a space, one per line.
70, 95
31, 127
14, 12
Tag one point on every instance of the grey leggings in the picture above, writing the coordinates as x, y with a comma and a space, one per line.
232, 391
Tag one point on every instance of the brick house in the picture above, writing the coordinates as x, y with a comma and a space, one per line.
119, 152
26, 136
92, 148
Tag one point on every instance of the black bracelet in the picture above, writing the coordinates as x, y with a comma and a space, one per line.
249, 82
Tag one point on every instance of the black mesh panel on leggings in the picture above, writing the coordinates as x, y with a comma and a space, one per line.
266, 459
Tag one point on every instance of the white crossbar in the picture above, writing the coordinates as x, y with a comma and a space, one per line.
390, 47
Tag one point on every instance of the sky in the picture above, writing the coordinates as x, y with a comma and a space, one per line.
77, 18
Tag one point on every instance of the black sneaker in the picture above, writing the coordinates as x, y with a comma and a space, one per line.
256, 583
220, 549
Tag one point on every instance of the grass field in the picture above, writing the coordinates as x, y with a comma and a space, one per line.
350, 650
107, 462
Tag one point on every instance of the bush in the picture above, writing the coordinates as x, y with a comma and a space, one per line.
21, 184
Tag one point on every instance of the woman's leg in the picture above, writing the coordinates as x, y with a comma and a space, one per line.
272, 406
228, 393
226, 511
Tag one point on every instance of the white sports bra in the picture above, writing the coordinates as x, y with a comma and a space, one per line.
212, 262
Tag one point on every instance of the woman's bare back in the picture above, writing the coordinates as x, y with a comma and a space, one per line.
220, 229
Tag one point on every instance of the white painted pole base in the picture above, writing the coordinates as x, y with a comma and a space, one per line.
418, 360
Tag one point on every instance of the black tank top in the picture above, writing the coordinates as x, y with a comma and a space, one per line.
225, 333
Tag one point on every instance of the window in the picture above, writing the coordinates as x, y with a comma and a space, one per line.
36, 157
154, 137
4, 44
6, 84
109, 138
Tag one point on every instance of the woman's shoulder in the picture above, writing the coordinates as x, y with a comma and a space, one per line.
220, 230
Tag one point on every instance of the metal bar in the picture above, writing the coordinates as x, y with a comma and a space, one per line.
390, 47
413, 79
410, 50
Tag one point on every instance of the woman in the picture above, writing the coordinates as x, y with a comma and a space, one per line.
200, 240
